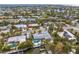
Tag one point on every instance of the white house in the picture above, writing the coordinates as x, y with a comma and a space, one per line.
60, 34
21, 26
69, 35
43, 35
12, 41
20, 39
5, 31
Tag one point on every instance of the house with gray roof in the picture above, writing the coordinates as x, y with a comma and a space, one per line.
42, 35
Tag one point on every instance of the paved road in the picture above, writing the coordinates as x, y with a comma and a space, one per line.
36, 51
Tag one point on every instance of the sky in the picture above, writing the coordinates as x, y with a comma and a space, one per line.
65, 2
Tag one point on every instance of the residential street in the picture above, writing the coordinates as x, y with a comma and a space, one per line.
36, 51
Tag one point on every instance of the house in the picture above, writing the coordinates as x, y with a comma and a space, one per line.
20, 26
67, 34
22, 19
12, 20
39, 36
20, 39
42, 35
32, 25
27, 33
73, 51
60, 34
3, 27
2, 17
1, 20
32, 19
74, 22
5, 31
12, 41
42, 28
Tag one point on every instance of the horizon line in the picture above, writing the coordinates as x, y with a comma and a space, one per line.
43, 4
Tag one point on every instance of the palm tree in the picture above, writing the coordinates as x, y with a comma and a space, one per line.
5, 48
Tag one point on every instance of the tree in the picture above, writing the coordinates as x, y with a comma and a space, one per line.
15, 17
26, 44
59, 47
2, 41
67, 48
77, 35
13, 27
54, 34
6, 14
51, 27
45, 41
52, 47
61, 29
3, 34
40, 21
1, 45
5, 48
67, 21
77, 50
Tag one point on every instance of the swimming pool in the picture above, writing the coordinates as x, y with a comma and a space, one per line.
36, 42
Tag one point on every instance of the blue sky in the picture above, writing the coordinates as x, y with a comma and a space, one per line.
66, 2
